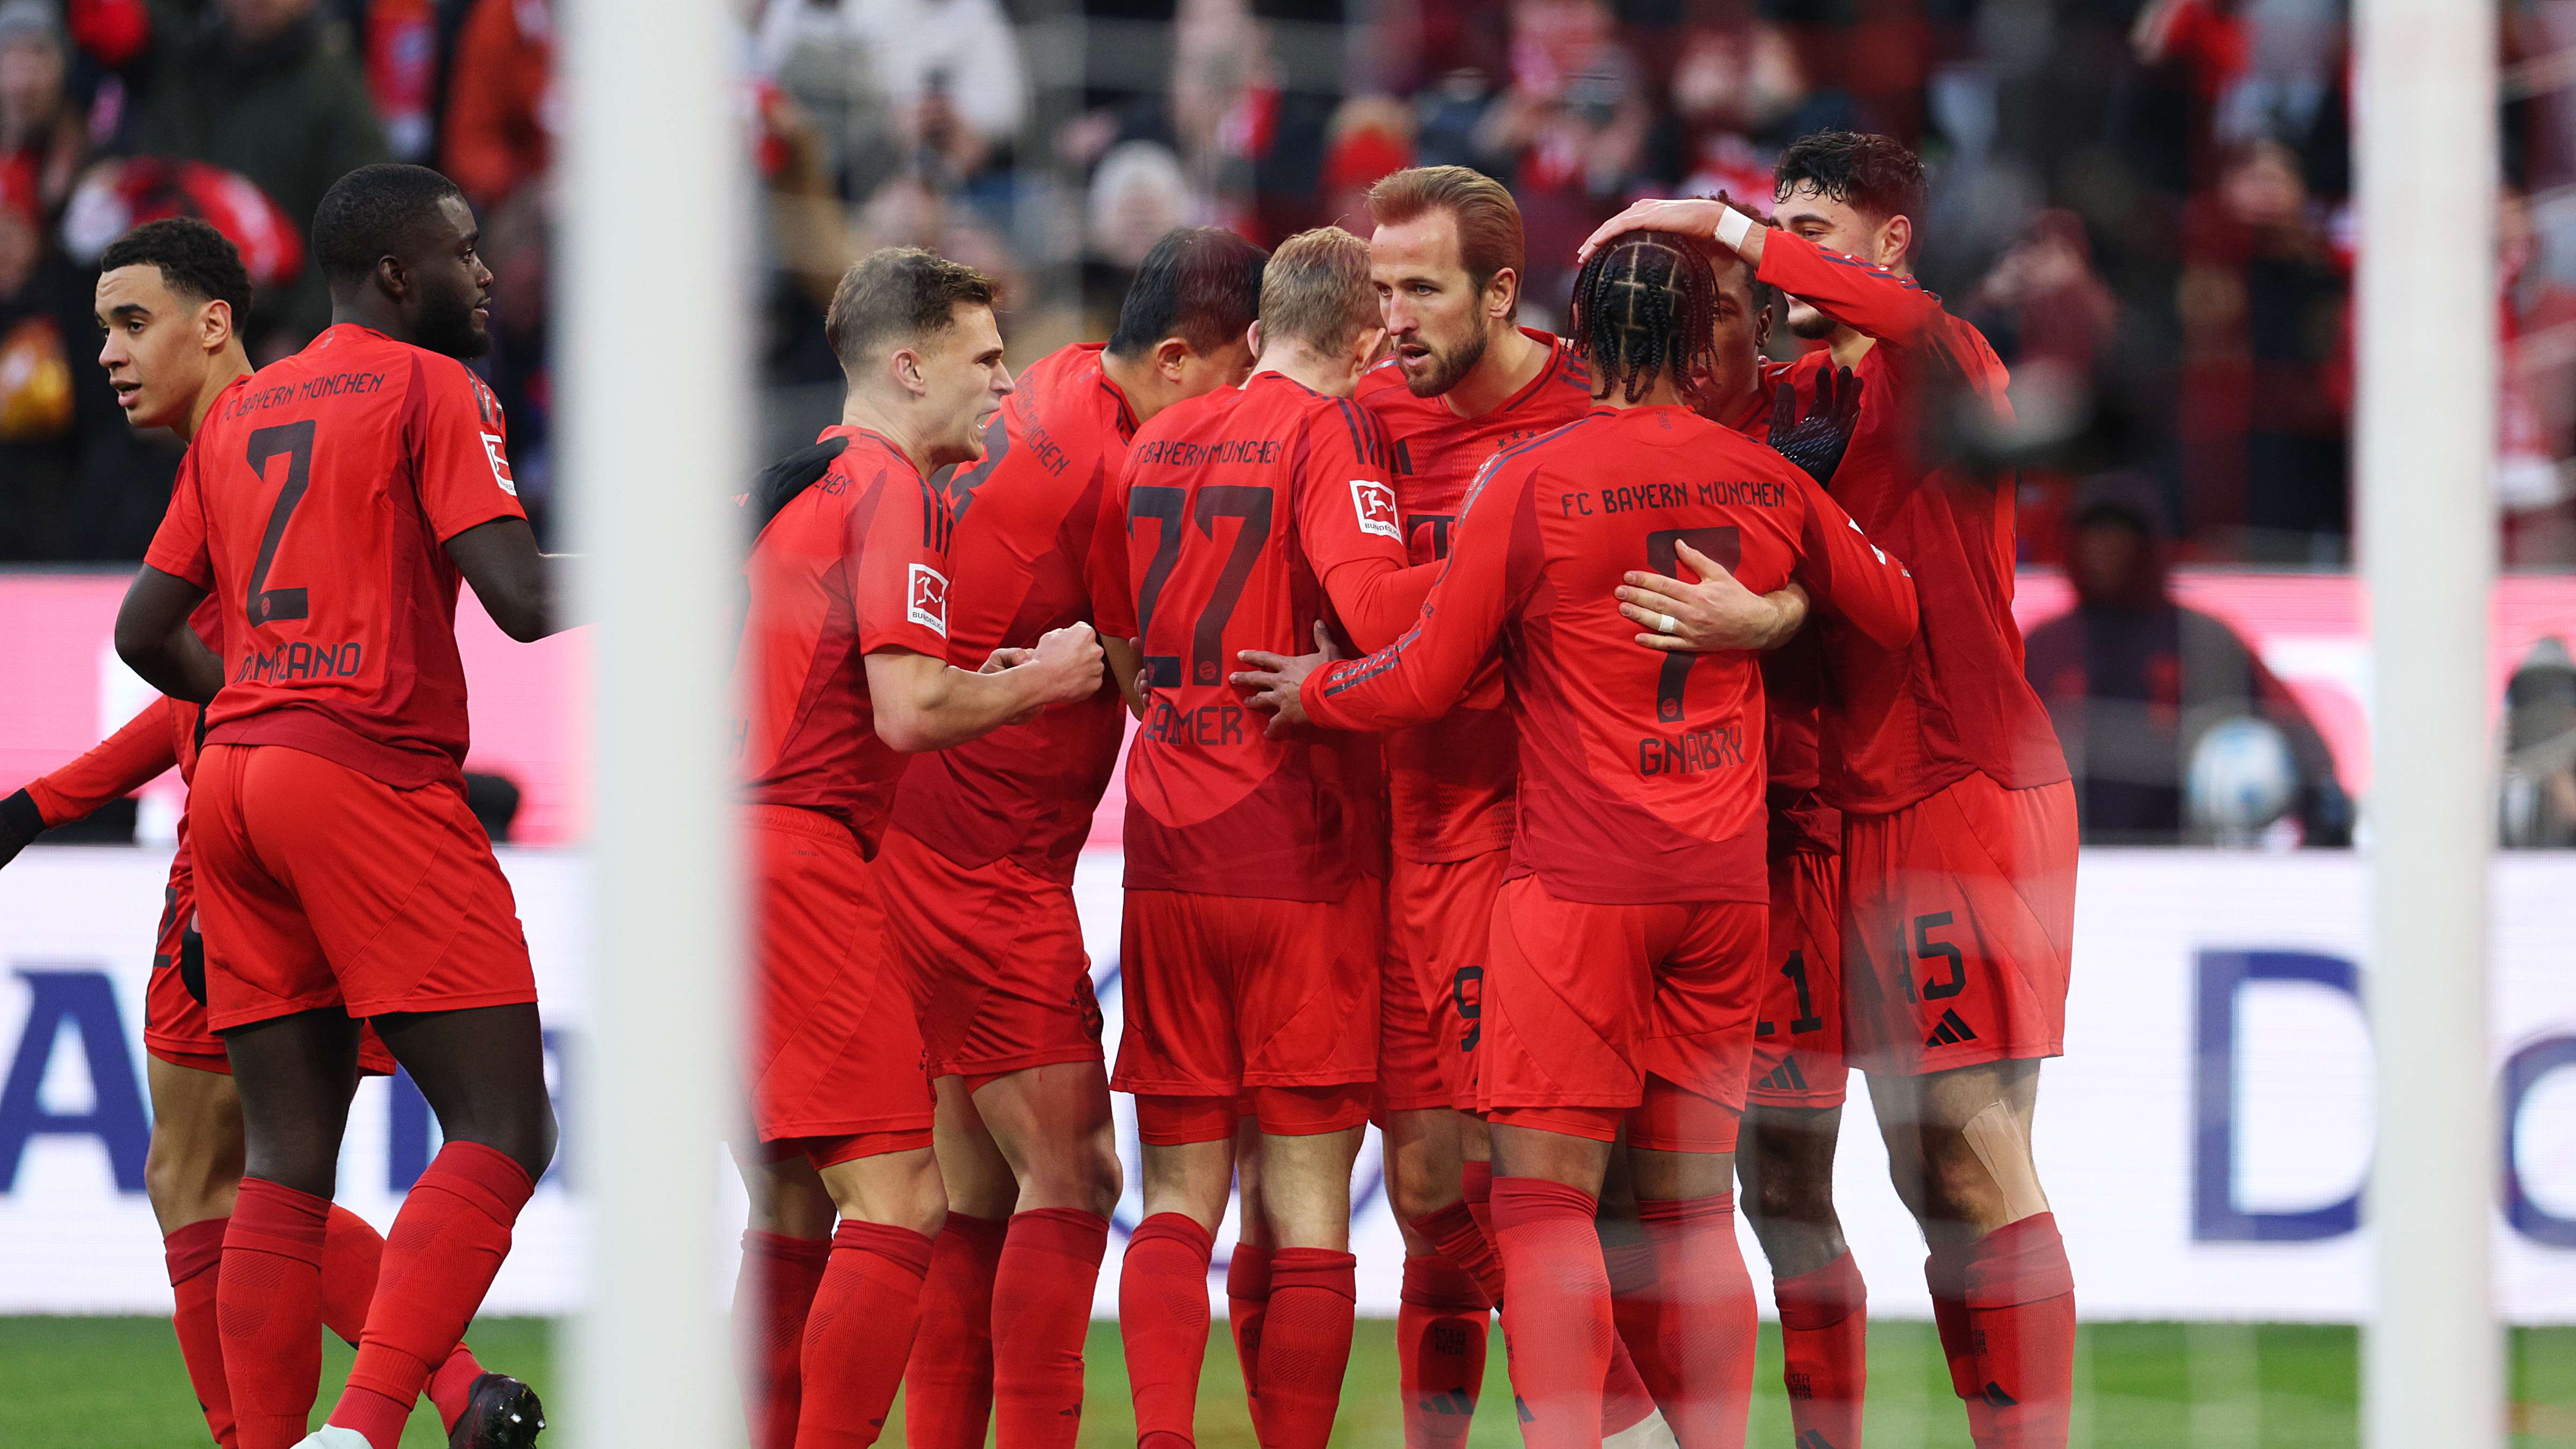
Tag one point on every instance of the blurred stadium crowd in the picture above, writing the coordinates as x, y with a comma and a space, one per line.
2145, 203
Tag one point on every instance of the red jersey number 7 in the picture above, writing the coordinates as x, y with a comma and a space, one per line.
1663, 556
295, 440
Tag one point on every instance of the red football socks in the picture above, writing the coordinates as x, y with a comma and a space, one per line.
1463, 1237
1824, 1344
771, 1297
1163, 1320
1706, 1324
1556, 1310
1305, 1344
1945, 1272
352, 1252
1440, 1332
1051, 1259
448, 1242
948, 1386
1247, 1303
1630, 1260
1464, 1243
2021, 1318
1476, 1183
859, 1334
193, 1253
268, 1308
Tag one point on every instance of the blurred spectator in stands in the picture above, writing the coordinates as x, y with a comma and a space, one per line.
2538, 800
1739, 95
1567, 134
76, 482
2265, 302
270, 89
2536, 396
2052, 318
42, 143
1370, 137
500, 125
401, 40
2133, 678
950, 74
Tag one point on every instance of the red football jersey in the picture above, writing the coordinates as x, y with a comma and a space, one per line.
1026, 516
1641, 773
1902, 724
315, 504
855, 564
1242, 518
1793, 675
1449, 783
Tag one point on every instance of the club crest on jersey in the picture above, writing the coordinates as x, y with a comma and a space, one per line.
492, 450
926, 598
1375, 504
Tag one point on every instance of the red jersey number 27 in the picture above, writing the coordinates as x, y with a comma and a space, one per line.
295, 442
1726, 546
1248, 504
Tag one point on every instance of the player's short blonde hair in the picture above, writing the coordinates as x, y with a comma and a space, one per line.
1316, 291
898, 297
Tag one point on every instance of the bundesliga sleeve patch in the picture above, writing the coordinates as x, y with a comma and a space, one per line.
1375, 504
926, 601
500, 464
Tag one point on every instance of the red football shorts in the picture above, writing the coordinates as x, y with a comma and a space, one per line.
1798, 1039
1958, 917
994, 955
174, 1018
1599, 1015
1227, 993
1410, 1073
321, 886
836, 1050
1440, 920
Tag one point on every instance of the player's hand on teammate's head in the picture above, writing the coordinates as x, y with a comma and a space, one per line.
1717, 614
1816, 442
1071, 657
780, 482
1695, 217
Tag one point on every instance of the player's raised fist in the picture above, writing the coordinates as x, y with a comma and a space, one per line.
1070, 658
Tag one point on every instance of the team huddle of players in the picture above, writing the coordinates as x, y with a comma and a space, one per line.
1570, 753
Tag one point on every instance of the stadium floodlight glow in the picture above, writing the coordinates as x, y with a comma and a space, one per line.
2432, 1367
650, 272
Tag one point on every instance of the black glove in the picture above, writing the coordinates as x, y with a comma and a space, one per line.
20, 823
1816, 441
780, 482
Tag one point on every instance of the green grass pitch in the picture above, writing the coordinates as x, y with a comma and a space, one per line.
116, 1383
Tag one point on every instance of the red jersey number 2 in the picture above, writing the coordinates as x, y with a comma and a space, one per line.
295, 442
1663, 556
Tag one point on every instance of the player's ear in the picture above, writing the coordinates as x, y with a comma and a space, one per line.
1895, 239
1502, 292
1170, 356
1252, 338
215, 325
393, 278
1371, 342
904, 366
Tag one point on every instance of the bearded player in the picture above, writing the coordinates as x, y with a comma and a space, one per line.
1465, 382
1250, 940
1958, 817
844, 666
1627, 941
331, 505
977, 869
168, 294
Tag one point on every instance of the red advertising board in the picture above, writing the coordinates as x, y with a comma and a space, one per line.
66, 689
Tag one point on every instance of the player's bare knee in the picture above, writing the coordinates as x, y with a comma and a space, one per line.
188, 1180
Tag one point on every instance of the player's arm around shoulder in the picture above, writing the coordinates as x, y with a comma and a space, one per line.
1861, 583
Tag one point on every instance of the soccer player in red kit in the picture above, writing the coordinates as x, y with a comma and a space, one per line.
977, 869
1627, 941
1465, 381
1249, 947
844, 668
168, 292
330, 505
1958, 817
